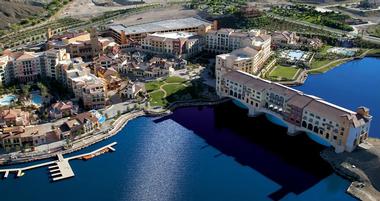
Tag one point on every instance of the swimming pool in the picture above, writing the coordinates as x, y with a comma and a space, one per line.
36, 99
100, 117
296, 55
342, 51
7, 100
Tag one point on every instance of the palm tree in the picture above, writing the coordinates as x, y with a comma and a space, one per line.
25, 90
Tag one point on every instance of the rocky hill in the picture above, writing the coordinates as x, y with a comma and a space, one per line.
12, 11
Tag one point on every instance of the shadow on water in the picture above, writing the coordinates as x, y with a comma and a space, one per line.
292, 162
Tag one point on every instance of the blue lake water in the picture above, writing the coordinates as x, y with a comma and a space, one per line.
354, 84
163, 159
210, 153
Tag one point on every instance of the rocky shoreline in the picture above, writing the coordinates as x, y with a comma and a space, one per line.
361, 167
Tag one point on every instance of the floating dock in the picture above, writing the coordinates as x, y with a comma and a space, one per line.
59, 169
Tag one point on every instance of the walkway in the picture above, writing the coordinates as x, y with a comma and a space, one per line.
59, 169
338, 61
166, 84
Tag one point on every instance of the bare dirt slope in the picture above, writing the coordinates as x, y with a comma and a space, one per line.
11, 12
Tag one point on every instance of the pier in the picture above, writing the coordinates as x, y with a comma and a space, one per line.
58, 169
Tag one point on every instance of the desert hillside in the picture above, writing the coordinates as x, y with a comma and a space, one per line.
15, 10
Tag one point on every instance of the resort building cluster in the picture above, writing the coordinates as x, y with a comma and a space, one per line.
100, 70
339, 127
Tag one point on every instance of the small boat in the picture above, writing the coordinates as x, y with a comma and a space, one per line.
88, 157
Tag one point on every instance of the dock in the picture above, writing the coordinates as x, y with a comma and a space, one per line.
58, 169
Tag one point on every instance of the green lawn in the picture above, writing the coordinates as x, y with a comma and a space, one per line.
283, 72
326, 68
157, 99
374, 30
374, 51
175, 79
152, 86
324, 49
318, 63
172, 88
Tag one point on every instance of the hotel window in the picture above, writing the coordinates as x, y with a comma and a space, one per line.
334, 137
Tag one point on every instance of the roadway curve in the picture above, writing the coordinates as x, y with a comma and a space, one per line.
331, 30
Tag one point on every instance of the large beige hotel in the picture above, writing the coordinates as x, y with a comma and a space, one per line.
330, 124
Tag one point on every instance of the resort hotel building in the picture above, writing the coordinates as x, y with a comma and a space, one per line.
29, 66
226, 40
178, 44
86, 86
322, 121
246, 59
123, 33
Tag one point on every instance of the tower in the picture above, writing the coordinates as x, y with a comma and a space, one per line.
49, 33
95, 46
123, 38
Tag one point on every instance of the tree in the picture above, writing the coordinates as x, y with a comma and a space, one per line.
25, 90
43, 89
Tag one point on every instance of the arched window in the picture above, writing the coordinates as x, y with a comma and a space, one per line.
304, 124
310, 127
316, 129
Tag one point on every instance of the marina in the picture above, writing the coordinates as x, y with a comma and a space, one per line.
59, 169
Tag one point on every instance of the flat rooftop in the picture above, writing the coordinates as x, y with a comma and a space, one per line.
173, 35
160, 25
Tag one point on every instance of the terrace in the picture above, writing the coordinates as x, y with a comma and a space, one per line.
295, 56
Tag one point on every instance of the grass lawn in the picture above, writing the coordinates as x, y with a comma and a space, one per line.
175, 79
157, 99
327, 68
283, 72
319, 63
152, 86
172, 88
374, 30
325, 48
374, 51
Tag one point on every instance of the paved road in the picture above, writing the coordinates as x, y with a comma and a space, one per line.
324, 28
